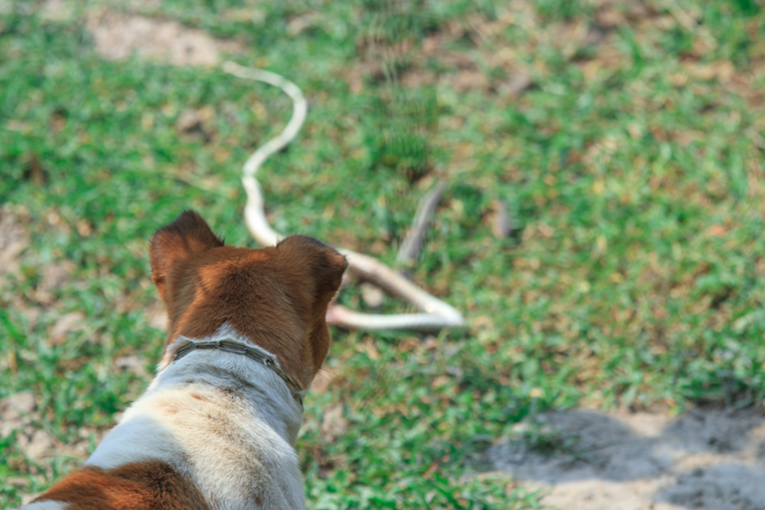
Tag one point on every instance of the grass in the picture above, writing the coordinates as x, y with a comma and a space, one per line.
634, 276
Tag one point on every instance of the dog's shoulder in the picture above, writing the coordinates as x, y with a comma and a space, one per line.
151, 485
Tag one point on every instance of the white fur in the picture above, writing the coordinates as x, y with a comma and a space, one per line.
46, 505
224, 420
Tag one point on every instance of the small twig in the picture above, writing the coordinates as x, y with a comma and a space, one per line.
503, 225
415, 239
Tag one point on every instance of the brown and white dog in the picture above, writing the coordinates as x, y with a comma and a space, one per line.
216, 429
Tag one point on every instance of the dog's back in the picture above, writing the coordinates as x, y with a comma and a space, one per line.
217, 427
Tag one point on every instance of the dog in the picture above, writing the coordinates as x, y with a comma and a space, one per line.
217, 427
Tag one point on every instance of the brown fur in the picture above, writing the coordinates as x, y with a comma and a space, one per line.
150, 485
275, 296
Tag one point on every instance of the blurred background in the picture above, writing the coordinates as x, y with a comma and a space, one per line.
601, 231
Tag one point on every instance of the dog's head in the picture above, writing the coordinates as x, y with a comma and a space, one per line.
276, 297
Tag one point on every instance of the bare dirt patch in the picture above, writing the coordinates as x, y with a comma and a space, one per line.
118, 36
14, 239
713, 460
15, 412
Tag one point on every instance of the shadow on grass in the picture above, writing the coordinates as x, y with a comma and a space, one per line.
707, 459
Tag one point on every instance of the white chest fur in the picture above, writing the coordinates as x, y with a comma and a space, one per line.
227, 422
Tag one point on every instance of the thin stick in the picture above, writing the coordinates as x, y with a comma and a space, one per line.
415, 239
437, 314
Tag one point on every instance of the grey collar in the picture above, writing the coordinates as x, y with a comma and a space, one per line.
256, 354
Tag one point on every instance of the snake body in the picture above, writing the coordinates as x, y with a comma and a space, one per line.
434, 313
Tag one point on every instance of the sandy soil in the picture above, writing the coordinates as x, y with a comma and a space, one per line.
711, 459
117, 36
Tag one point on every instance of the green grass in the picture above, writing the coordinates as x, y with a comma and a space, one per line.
631, 168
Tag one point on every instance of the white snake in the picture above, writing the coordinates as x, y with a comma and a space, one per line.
435, 314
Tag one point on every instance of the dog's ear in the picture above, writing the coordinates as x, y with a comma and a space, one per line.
325, 265
187, 235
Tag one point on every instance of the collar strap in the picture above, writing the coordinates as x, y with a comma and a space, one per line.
245, 350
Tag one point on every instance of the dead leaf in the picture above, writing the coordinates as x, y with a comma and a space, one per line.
39, 446
191, 123
717, 230
468, 80
28, 498
18, 481
333, 424
409, 344
610, 16
372, 295
15, 411
431, 343
13, 241
156, 315
84, 228
355, 79
417, 78
483, 322
369, 348
321, 382
67, 323
721, 70
22, 402
440, 381
300, 23
54, 276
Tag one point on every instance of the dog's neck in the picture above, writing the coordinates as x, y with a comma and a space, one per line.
209, 414
270, 397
